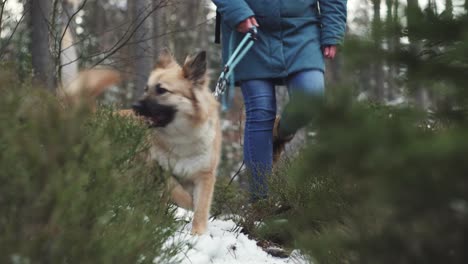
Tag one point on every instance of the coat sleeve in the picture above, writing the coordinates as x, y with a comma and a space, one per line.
233, 11
333, 19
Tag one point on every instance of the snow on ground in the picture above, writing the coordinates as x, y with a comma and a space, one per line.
224, 244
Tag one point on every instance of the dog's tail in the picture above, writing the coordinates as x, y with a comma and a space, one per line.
81, 86
88, 85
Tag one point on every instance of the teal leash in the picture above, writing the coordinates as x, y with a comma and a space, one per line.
227, 75
228, 96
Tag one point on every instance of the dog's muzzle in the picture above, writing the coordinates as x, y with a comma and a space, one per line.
138, 107
159, 115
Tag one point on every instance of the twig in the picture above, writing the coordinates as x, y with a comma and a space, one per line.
57, 59
112, 52
162, 3
70, 20
178, 31
1, 14
13, 33
126, 40
127, 43
235, 174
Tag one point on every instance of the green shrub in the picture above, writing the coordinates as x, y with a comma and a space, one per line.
376, 185
403, 186
228, 197
386, 184
74, 187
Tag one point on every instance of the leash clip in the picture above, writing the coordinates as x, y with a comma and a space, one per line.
239, 53
253, 33
220, 87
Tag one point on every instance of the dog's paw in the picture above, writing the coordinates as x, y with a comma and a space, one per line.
198, 230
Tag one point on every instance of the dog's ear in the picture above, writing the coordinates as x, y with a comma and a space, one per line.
165, 59
195, 67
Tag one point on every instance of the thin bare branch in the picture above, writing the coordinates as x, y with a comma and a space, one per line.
2, 49
128, 29
130, 43
99, 34
126, 38
2, 6
57, 58
163, 3
140, 23
71, 19
174, 31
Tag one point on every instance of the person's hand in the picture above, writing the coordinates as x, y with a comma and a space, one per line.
245, 25
329, 52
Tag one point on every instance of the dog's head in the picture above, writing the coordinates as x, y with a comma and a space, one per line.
176, 93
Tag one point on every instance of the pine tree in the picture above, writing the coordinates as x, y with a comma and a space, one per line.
383, 184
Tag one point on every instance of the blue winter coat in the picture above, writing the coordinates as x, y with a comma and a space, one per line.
290, 37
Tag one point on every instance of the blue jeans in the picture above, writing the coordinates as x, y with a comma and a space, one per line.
260, 106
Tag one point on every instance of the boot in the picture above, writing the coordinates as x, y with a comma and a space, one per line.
279, 140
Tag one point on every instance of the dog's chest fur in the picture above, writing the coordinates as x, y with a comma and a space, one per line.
185, 154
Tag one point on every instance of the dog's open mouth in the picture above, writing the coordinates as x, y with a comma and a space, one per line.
156, 115
156, 121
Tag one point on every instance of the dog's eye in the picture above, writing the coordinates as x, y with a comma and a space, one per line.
160, 90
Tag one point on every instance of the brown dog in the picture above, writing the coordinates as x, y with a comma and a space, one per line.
186, 139
185, 127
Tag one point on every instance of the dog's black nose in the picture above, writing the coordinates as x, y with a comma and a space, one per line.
138, 107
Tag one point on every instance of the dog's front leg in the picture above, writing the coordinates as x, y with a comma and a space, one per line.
203, 194
179, 195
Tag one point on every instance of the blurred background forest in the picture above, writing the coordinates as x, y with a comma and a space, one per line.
383, 176
49, 40
127, 35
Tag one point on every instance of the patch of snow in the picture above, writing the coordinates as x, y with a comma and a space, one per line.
363, 96
224, 244
397, 101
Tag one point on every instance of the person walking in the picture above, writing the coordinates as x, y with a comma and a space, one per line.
294, 37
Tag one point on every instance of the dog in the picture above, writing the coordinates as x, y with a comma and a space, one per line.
186, 132
183, 117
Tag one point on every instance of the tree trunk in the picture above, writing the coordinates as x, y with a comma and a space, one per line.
379, 89
204, 28
449, 8
157, 28
68, 69
364, 75
421, 96
391, 75
333, 72
192, 33
142, 46
42, 62
397, 42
